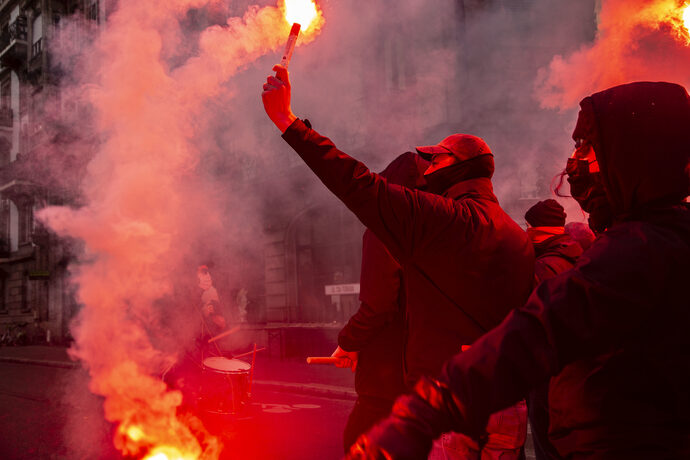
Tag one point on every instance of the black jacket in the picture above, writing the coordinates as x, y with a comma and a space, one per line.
614, 329
466, 262
376, 330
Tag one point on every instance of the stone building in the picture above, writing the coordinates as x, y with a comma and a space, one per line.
35, 299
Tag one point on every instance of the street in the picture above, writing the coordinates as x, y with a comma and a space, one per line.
48, 413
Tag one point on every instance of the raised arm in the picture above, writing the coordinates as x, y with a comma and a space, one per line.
397, 215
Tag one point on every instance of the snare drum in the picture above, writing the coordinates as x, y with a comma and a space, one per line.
224, 385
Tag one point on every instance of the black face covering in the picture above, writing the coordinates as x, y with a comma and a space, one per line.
587, 189
443, 179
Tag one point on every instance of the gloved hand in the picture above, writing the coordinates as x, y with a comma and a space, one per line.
416, 420
351, 361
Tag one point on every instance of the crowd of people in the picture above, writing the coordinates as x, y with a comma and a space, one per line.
470, 325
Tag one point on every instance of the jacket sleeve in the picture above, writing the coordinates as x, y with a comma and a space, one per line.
606, 300
403, 219
380, 284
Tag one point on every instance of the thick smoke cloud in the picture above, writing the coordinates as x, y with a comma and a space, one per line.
637, 40
182, 167
145, 208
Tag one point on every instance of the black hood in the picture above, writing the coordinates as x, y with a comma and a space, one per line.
641, 136
407, 170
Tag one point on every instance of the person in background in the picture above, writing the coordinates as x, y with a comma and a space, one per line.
213, 320
555, 252
613, 329
554, 248
466, 263
373, 338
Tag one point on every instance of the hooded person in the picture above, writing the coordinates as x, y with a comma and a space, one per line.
466, 263
373, 338
612, 330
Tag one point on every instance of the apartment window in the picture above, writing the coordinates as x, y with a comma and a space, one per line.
3, 301
26, 222
397, 71
6, 93
10, 227
6, 103
93, 12
37, 36
4, 228
5, 151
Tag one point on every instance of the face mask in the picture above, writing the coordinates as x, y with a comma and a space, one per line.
587, 189
441, 180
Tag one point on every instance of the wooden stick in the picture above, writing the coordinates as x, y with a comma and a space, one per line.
249, 353
325, 359
224, 334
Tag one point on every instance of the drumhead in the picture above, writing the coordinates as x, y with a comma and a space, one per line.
226, 365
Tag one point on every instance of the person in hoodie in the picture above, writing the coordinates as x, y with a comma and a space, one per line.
613, 329
466, 263
556, 251
373, 338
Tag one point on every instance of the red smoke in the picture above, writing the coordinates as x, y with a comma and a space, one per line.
140, 214
636, 40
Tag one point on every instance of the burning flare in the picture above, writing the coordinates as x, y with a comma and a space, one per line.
680, 20
302, 12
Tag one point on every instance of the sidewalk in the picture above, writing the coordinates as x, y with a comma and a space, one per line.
272, 373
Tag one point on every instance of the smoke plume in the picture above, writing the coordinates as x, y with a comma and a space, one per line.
147, 80
637, 40
179, 166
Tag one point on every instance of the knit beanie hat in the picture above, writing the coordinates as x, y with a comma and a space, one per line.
547, 213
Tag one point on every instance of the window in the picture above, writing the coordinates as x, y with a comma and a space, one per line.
13, 226
37, 36
6, 103
6, 93
26, 222
4, 228
37, 29
92, 14
3, 301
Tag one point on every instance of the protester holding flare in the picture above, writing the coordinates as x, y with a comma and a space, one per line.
466, 264
613, 330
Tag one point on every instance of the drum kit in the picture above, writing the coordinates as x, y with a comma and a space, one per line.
225, 385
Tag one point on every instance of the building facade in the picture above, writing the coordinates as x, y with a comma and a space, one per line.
36, 302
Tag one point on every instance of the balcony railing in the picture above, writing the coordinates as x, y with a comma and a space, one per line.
6, 117
13, 43
37, 48
15, 31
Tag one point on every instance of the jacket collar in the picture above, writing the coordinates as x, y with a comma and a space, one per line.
478, 187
